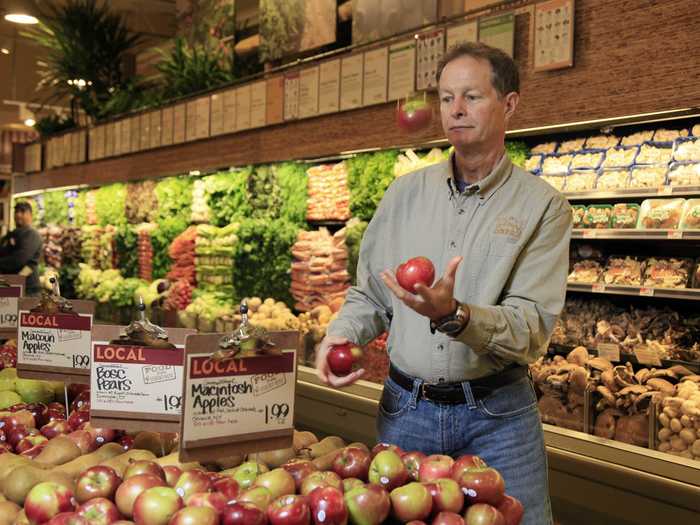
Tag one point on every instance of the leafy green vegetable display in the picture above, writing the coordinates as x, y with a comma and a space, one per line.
369, 175
55, 208
292, 181
174, 195
354, 231
518, 152
227, 196
264, 193
110, 204
126, 246
80, 209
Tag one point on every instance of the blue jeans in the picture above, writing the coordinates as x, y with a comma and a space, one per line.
504, 429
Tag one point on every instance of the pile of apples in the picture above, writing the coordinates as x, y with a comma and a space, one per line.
361, 487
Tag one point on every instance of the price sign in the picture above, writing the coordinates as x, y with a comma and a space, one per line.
237, 406
134, 386
647, 356
589, 234
609, 351
54, 346
598, 288
674, 234
11, 288
648, 292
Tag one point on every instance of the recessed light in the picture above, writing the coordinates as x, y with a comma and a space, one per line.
21, 18
29, 122
4, 51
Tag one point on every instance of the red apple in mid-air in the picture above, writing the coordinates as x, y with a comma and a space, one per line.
144, 467
324, 478
448, 518
413, 114
172, 474
278, 481
228, 487
512, 510
99, 481
192, 481
214, 500
411, 502
99, 511
241, 513
368, 505
289, 510
195, 516
388, 470
156, 506
483, 514
341, 358
132, 488
465, 462
328, 506
299, 469
435, 467
412, 461
47, 499
379, 447
447, 495
352, 462
67, 518
418, 270
351, 483
482, 485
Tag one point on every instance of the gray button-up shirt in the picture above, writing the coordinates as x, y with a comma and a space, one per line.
512, 229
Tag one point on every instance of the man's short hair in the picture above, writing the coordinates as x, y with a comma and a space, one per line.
504, 78
23, 207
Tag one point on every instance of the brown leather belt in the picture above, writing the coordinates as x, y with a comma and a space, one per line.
453, 393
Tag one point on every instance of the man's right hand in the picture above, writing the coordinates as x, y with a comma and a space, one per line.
323, 370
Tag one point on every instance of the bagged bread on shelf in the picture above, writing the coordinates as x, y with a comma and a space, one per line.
635, 139
611, 180
583, 180
546, 148
556, 164
601, 142
329, 195
666, 272
654, 154
663, 214
691, 215
570, 146
597, 216
590, 161
623, 270
578, 211
669, 135
556, 181
648, 177
587, 271
684, 174
625, 215
533, 163
687, 149
620, 157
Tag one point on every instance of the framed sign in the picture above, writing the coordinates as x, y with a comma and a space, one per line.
402, 69
11, 289
274, 100
235, 406
329, 87
498, 31
554, 35
429, 50
468, 32
291, 95
351, 81
258, 101
136, 387
308, 92
375, 75
54, 346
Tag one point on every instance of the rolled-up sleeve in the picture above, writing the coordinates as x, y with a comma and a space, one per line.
519, 327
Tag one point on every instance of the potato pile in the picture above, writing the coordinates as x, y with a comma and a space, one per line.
271, 315
679, 420
316, 322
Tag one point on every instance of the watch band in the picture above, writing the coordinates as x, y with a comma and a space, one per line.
453, 324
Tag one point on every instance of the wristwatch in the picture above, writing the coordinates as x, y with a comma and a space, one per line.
452, 324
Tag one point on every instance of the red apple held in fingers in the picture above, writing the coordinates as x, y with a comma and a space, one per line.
258, 496
351, 483
192, 481
412, 461
328, 506
144, 467
289, 510
172, 474
325, 478
512, 510
418, 270
278, 481
465, 462
195, 516
379, 447
227, 487
29, 441
448, 518
55, 428
214, 500
352, 462
482, 485
47, 499
99, 481
411, 502
341, 358
483, 514
99, 511
447, 495
131, 488
242, 513
435, 467
368, 505
156, 506
68, 518
388, 470
299, 469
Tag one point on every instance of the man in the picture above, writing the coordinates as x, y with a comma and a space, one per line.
499, 236
21, 249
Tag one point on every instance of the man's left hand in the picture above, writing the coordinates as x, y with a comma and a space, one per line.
435, 302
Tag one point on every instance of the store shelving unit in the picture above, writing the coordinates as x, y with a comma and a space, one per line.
640, 235
650, 193
688, 294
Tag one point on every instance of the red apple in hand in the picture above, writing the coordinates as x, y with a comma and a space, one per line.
131, 488
299, 469
156, 506
414, 271
352, 462
320, 479
482, 485
483, 514
99, 481
388, 470
213, 500
448, 518
195, 516
144, 467
512, 510
447, 495
99, 511
341, 358
368, 505
328, 506
47, 499
465, 462
411, 502
289, 510
435, 467
242, 513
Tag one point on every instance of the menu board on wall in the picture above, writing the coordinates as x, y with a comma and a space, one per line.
258, 109
498, 31
351, 82
108, 131
402, 69
156, 128
243, 108
229, 111
216, 118
308, 92
190, 120
82, 146
145, 140
291, 95
117, 138
274, 100
203, 110
468, 32
329, 87
68, 159
179, 114
429, 51
554, 35
99, 143
126, 136
375, 76
166, 132
135, 134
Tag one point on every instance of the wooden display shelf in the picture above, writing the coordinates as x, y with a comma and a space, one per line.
632, 234
688, 294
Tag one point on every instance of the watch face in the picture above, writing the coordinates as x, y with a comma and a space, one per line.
450, 326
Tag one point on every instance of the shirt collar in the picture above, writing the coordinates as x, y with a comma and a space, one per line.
486, 186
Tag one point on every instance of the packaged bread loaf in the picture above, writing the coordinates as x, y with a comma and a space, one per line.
533, 163
546, 148
570, 146
601, 142
648, 177
635, 139
620, 157
556, 164
583, 180
684, 175
687, 149
611, 180
654, 154
587, 160
669, 135
556, 181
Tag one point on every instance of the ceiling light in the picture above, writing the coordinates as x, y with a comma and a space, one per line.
4, 51
20, 12
29, 122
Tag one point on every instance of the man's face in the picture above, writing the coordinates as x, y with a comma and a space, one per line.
23, 218
474, 116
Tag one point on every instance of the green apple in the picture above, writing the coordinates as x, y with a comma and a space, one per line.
246, 473
278, 481
388, 470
